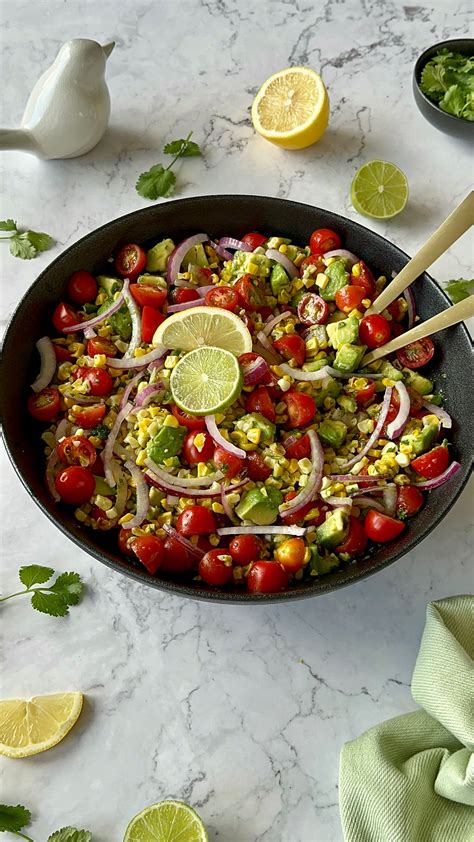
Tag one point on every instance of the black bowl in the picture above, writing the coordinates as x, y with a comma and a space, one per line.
447, 123
222, 215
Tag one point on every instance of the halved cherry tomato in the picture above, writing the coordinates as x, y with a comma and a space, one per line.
363, 278
300, 515
254, 239
257, 468
292, 346
291, 553
182, 294
416, 401
381, 528
265, 312
391, 415
396, 310
147, 295
203, 451
149, 550
75, 485
100, 381
260, 401
245, 548
312, 309
196, 520
64, 316
299, 448
374, 331
44, 405
192, 422
417, 353
101, 345
409, 501
315, 260
177, 558
367, 392
77, 450
323, 240
250, 293
63, 354
355, 541
350, 297
226, 298
124, 537
215, 568
151, 319
130, 261
433, 463
82, 287
267, 577
228, 463
88, 416
100, 519
301, 408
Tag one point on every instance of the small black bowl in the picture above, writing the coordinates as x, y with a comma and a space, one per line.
447, 123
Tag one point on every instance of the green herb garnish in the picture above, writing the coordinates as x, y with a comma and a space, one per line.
101, 431
448, 79
460, 289
53, 599
13, 819
161, 181
24, 244
70, 834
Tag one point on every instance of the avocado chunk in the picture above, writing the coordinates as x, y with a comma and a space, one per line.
276, 242
247, 262
332, 433
349, 357
101, 487
120, 321
109, 284
347, 403
338, 278
418, 382
279, 280
168, 442
153, 281
260, 505
389, 370
197, 256
254, 421
319, 565
316, 365
332, 390
157, 257
421, 440
345, 332
333, 531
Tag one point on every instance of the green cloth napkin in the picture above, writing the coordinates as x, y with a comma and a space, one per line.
411, 779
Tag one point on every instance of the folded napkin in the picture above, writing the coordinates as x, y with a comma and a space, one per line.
411, 779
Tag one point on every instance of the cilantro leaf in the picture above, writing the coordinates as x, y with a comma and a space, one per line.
156, 182
69, 586
34, 574
21, 247
50, 603
432, 79
453, 101
12, 819
183, 148
39, 240
448, 79
460, 289
70, 834
8, 225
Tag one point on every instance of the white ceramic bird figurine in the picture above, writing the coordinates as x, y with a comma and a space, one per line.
69, 107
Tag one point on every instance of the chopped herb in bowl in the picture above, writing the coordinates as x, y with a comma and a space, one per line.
448, 80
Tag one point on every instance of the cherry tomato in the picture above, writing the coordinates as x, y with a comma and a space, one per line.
44, 405
396, 310
312, 309
88, 416
374, 331
64, 316
250, 294
77, 450
247, 360
100, 381
196, 520
192, 422
416, 354
433, 463
182, 294
149, 550
82, 287
409, 501
130, 261
323, 240
99, 470
124, 537
75, 485
151, 319
312, 260
203, 451
267, 577
254, 240
355, 541
265, 312
227, 298
381, 528
147, 295
396, 329
228, 463
301, 408
101, 521
100, 345
391, 415
245, 548
214, 567
367, 392
350, 297
291, 553
177, 558
300, 515
62, 354
292, 347
260, 401
362, 276
248, 322
257, 468
416, 401
298, 448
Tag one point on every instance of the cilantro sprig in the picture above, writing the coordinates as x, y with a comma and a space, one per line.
460, 289
14, 819
448, 79
53, 599
161, 181
24, 244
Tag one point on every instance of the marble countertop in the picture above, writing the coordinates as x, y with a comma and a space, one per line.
239, 711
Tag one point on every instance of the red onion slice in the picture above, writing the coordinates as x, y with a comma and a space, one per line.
395, 428
368, 503
116, 305
51, 463
138, 362
122, 488
444, 477
283, 260
219, 439
263, 530
268, 327
232, 243
390, 496
185, 491
339, 501
411, 311
228, 508
192, 549
348, 255
313, 484
129, 387
107, 453
267, 350
147, 394
62, 429
365, 480
89, 333
185, 482
143, 496
299, 374
134, 310
48, 364
446, 420
377, 431
186, 305
221, 251
254, 371
202, 291
176, 257
81, 400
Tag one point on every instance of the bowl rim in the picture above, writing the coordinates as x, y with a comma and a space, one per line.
418, 67
175, 588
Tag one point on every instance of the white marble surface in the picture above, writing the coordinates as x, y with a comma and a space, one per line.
239, 711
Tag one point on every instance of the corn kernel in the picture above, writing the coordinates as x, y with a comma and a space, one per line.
366, 302
305, 465
356, 270
171, 361
357, 314
214, 540
254, 435
283, 248
386, 381
165, 518
170, 421
80, 515
402, 459
218, 508
402, 479
322, 280
141, 458
126, 518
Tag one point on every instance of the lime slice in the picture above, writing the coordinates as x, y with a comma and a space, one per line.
28, 727
168, 821
379, 190
206, 381
199, 326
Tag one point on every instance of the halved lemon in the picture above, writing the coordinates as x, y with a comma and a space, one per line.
28, 727
168, 821
200, 326
291, 108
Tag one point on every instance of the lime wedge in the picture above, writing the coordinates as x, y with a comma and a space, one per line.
199, 326
379, 190
206, 380
168, 821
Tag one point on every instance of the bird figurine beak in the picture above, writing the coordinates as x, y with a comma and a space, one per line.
107, 48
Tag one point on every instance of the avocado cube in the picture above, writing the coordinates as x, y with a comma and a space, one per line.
279, 280
276, 242
259, 507
338, 278
157, 257
109, 284
389, 370
316, 365
345, 332
332, 433
120, 321
333, 531
349, 357
421, 440
254, 420
247, 262
418, 382
152, 280
319, 565
168, 442
332, 390
197, 256
347, 403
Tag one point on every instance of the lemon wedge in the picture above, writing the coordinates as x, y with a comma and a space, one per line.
28, 727
291, 108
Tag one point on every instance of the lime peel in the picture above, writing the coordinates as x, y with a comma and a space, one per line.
379, 190
166, 821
